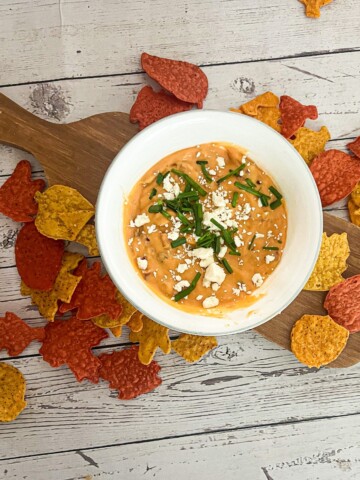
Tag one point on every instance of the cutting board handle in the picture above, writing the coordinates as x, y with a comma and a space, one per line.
20, 128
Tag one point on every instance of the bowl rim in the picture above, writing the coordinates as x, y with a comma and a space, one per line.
106, 261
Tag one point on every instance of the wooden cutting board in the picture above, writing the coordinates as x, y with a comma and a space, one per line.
78, 154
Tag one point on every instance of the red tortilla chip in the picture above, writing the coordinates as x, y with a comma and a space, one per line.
16, 335
38, 258
355, 146
336, 174
343, 303
17, 194
150, 106
95, 294
184, 80
294, 115
126, 374
69, 342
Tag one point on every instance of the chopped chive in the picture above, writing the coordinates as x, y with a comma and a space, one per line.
234, 252
227, 265
250, 183
216, 223
186, 228
155, 208
206, 174
187, 188
190, 181
248, 189
178, 242
275, 204
217, 245
228, 239
189, 289
172, 205
264, 201
202, 162
188, 195
166, 214
231, 173
235, 199
198, 214
270, 248
152, 193
182, 218
251, 244
159, 178
275, 192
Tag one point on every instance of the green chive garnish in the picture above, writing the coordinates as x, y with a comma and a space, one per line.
190, 181
234, 252
231, 173
228, 239
152, 193
155, 208
188, 195
248, 189
264, 200
178, 242
227, 265
275, 204
216, 223
189, 289
250, 246
182, 218
250, 183
275, 192
186, 229
159, 178
198, 214
217, 245
166, 214
202, 162
270, 248
234, 199
206, 174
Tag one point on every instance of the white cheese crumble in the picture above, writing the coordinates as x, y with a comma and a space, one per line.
210, 302
212, 172
142, 263
221, 162
140, 220
174, 235
130, 241
206, 262
181, 285
218, 200
182, 267
172, 188
223, 251
269, 259
199, 297
238, 241
215, 274
215, 287
152, 228
257, 280
202, 253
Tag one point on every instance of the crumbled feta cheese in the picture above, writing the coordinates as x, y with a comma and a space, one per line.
215, 287
257, 280
212, 172
171, 187
269, 259
140, 220
181, 285
260, 202
182, 267
202, 253
188, 261
206, 262
222, 252
210, 302
174, 235
238, 241
199, 297
259, 235
218, 200
151, 229
142, 263
215, 274
198, 154
130, 240
243, 160
206, 283
247, 208
221, 162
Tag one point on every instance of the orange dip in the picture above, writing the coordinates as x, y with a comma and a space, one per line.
234, 230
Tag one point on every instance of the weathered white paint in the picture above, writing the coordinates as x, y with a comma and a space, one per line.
323, 449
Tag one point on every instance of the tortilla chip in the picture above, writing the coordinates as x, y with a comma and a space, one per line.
354, 213
104, 321
355, 195
317, 340
151, 337
294, 115
87, 237
63, 289
310, 143
12, 392
16, 335
355, 146
63, 212
313, 7
264, 108
136, 322
193, 347
116, 331
330, 264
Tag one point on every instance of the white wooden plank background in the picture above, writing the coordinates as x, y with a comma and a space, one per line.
249, 410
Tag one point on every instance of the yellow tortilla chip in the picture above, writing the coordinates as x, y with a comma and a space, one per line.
310, 143
105, 321
264, 107
12, 392
62, 213
193, 347
136, 323
317, 340
355, 195
330, 264
87, 238
63, 289
116, 331
151, 337
354, 212
313, 7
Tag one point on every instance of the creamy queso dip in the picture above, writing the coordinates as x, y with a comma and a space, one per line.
205, 227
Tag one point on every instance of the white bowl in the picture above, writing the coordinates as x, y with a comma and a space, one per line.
269, 150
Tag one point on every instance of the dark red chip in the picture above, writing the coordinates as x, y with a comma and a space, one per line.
95, 294
126, 374
150, 106
38, 258
184, 80
69, 342
355, 146
294, 115
343, 303
17, 194
336, 174
16, 335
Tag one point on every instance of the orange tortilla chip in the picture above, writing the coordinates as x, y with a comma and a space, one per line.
354, 212
12, 392
355, 194
105, 321
87, 238
313, 7
62, 212
116, 331
136, 322
63, 289
150, 338
317, 340
193, 347
264, 108
310, 143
